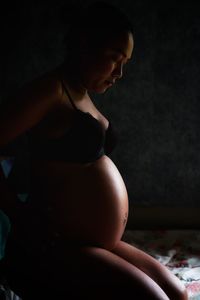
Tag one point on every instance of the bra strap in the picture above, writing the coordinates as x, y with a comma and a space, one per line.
69, 96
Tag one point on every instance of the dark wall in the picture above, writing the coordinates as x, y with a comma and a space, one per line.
155, 107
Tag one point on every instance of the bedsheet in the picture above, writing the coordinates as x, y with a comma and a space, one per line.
178, 250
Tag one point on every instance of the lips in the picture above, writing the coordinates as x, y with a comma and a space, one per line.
110, 82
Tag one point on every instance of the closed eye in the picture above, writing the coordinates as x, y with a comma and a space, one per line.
116, 58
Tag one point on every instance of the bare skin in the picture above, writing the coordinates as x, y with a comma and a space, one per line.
88, 202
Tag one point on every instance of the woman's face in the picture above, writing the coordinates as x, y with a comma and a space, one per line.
102, 67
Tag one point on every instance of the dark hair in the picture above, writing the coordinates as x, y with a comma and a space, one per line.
99, 21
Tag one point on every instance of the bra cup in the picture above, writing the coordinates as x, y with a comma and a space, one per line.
85, 141
86, 137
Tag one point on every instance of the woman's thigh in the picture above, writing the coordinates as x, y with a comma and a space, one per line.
90, 272
170, 283
98, 274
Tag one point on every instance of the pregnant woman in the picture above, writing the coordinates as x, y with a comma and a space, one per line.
67, 243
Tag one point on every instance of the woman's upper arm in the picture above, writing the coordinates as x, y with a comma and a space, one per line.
30, 105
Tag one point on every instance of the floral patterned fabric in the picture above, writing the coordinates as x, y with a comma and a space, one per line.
179, 250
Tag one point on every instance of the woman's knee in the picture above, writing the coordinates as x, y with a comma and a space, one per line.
115, 276
179, 293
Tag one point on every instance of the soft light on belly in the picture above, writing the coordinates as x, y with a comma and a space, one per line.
110, 204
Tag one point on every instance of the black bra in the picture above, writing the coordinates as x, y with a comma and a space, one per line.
85, 141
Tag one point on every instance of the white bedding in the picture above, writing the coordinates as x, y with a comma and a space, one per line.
179, 250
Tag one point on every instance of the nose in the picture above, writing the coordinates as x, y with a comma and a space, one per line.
118, 71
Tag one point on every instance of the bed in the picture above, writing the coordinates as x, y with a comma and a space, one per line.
178, 250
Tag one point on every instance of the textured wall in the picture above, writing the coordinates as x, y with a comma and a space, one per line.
155, 107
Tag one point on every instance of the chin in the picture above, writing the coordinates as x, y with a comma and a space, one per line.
101, 90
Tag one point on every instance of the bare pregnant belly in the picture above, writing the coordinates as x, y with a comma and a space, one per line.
89, 203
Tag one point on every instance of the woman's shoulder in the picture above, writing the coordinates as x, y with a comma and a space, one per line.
46, 84
30, 104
